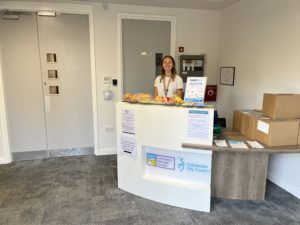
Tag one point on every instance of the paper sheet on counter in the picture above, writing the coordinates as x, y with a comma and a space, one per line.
255, 144
237, 144
220, 143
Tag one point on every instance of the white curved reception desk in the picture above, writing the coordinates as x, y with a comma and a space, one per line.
151, 160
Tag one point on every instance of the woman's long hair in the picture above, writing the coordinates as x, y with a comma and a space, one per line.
162, 70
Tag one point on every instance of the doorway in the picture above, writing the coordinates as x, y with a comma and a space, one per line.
144, 39
144, 44
47, 83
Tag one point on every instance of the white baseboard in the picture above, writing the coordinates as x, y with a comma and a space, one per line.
106, 151
4, 161
292, 189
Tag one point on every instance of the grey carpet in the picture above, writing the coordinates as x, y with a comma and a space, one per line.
83, 190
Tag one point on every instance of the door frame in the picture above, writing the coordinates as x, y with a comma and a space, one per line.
135, 16
5, 150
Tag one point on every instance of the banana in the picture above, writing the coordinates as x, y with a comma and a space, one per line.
177, 99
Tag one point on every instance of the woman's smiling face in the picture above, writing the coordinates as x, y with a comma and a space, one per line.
168, 64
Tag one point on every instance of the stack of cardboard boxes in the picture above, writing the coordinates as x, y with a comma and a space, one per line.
276, 125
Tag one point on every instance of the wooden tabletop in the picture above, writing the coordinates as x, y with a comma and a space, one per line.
230, 134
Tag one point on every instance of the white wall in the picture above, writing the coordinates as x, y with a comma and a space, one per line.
196, 30
262, 40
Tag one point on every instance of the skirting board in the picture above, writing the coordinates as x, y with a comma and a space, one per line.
43, 154
284, 185
106, 151
4, 161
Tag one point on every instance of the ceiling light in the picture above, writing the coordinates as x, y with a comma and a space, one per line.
46, 13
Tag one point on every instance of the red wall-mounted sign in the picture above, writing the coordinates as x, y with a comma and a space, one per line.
210, 93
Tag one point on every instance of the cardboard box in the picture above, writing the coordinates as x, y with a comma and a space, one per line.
299, 138
237, 118
281, 106
277, 132
249, 121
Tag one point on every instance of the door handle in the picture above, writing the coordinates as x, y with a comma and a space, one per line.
47, 103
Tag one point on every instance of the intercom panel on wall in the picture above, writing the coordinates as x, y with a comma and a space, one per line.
191, 66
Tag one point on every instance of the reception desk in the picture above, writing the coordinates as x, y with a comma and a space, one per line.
151, 160
165, 154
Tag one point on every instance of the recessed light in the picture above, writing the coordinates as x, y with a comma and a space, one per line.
46, 13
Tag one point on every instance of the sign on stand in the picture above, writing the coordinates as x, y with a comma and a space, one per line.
195, 90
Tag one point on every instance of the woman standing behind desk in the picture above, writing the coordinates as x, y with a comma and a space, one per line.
168, 83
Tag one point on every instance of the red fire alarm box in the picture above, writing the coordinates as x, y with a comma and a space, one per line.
210, 93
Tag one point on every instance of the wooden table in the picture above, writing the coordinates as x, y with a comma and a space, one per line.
240, 173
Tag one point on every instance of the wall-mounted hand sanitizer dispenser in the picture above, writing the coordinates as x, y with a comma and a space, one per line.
107, 93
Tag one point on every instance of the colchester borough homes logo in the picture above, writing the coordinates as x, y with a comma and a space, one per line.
180, 164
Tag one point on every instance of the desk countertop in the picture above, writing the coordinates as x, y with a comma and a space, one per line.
230, 134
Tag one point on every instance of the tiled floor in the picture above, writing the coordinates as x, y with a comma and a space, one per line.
83, 190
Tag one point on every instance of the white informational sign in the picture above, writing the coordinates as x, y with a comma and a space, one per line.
198, 124
180, 166
128, 146
195, 90
227, 75
263, 127
166, 162
128, 121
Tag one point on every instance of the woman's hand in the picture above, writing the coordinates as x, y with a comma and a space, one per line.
179, 93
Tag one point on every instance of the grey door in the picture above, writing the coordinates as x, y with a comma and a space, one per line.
40, 119
142, 42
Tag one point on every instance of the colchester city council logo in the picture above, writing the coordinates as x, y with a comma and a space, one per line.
180, 164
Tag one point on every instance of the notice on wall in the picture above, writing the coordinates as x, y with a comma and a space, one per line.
198, 124
128, 146
195, 90
165, 162
128, 121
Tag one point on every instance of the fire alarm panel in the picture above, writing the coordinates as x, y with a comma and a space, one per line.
191, 66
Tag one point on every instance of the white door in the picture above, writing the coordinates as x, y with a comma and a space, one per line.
69, 113
22, 84
39, 120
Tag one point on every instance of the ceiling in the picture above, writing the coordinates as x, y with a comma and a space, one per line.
187, 4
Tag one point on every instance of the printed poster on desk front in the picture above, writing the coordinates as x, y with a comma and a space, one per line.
128, 121
195, 90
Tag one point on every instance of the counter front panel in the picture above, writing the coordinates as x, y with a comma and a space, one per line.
151, 161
